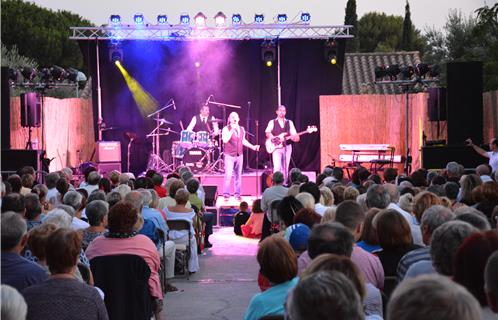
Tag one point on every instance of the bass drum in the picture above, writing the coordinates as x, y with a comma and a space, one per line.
196, 159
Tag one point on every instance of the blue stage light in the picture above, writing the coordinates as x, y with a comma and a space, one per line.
138, 18
236, 19
115, 19
305, 17
259, 18
162, 19
185, 19
281, 18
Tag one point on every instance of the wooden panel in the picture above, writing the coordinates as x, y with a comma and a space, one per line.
68, 132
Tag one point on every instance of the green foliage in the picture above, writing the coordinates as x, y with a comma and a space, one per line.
41, 34
12, 59
351, 18
407, 36
378, 32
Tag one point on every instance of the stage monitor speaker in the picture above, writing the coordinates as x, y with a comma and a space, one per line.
436, 104
211, 193
5, 115
13, 160
108, 151
464, 102
105, 167
30, 109
437, 157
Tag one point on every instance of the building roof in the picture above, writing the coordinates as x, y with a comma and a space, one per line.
358, 75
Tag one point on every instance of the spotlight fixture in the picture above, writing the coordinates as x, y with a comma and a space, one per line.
58, 73
282, 18
185, 19
434, 71
200, 19
116, 55
407, 72
45, 75
115, 19
139, 19
392, 71
14, 76
305, 17
268, 53
380, 72
421, 69
28, 73
220, 19
259, 18
236, 19
197, 64
162, 19
72, 74
330, 52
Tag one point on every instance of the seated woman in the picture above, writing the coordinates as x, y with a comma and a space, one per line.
122, 239
253, 227
278, 263
62, 296
181, 212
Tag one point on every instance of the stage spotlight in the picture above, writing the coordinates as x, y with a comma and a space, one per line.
139, 19
74, 75
434, 71
115, 54
58, 73
200, 19
259, 18
421, 69
392, 71
197, 64
331, 51
162, 19
185, 19
305, 17
220, 19
236, 19
380, 73
115, 19
281, 18
14, 75
45, 75
268, 53
28, 73
407, 72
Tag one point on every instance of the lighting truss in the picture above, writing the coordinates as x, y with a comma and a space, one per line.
235, 32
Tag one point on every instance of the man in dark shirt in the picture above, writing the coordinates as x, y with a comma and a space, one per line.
17, 271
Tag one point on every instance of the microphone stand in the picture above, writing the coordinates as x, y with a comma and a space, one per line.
248, 119
257, 159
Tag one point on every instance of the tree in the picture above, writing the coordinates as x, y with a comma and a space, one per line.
351, 18
41, 34
406, 40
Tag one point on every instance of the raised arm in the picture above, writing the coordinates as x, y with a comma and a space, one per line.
478, 149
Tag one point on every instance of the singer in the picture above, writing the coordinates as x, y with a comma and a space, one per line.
234, 139
203, 122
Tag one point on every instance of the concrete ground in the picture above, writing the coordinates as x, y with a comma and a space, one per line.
224, 285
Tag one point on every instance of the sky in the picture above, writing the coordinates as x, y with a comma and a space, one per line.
424, 13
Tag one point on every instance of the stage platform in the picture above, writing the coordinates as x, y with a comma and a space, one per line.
250, 186
225, 209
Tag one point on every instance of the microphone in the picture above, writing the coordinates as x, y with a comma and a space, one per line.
174, 104
208, 99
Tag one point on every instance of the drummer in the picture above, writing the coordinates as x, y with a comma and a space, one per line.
204, 122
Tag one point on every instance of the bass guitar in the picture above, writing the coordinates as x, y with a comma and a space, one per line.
277, 142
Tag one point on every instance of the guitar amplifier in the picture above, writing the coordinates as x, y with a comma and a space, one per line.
108, 151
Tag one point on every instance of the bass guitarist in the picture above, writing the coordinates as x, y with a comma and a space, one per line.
277, 131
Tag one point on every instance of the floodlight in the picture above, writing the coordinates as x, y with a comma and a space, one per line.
115, 55
200, 19
434, 71
330, 52
380, 72
139, 19
58, 73
115, 19
407, 72
392, 71
281, 18
184, 19
236, 19
421, 69
28, 73
259, 18
220, 19
162, 19
268, 53
305, 17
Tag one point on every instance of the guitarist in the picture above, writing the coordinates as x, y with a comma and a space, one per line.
277, 130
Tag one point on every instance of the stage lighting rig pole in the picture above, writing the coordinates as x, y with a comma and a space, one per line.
100, 120
279, 88
406, 85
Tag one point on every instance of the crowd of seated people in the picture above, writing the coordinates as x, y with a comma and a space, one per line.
117, 214
376, 235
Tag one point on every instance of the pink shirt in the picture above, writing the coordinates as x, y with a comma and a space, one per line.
138, 245
370, 265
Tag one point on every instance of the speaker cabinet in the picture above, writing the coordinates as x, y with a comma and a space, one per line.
30, 109
108, 151
13, 160
437, 157
105, 167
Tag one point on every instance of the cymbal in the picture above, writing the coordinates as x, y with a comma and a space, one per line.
164, 121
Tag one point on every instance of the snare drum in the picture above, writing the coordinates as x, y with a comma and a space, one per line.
187, 138
177, 150
202, 139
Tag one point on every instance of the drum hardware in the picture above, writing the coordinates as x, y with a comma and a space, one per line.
155, 161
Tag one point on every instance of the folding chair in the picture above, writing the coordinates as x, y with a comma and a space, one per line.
183, 248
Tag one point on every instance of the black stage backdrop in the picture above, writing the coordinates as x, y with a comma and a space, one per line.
232, 71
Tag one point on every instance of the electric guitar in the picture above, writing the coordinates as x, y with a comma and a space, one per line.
278, 141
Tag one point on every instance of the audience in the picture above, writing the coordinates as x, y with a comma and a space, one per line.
13, 304
96, 212
491, 286
254, 225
